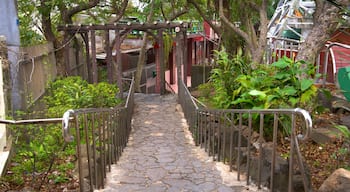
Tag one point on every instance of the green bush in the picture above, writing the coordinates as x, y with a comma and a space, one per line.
75, 93
283, 84
41, 155
223, 77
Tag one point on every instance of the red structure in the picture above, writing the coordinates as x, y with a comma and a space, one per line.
335, 55
200, 47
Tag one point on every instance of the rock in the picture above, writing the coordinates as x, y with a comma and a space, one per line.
345, 120
325, 135
338, 181
340, 106
324, 99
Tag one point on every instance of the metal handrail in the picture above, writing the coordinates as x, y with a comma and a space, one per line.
305, 114
187, 92
30, 121
65, 126
208, 125
114, 126
326, 60
169, 86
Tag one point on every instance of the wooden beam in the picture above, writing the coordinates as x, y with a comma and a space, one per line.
133, 26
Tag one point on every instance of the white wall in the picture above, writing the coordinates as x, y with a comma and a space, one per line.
9, 28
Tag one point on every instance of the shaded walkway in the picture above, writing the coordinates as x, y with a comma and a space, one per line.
161, 155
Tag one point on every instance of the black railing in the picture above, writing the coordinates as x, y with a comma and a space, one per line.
100, 135
247, 140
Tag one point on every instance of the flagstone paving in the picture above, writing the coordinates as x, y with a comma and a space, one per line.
161, 156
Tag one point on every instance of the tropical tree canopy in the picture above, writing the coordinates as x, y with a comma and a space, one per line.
243, 24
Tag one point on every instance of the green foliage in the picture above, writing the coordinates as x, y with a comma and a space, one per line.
342, 154
168, 45
344, 130
74, 93
40, 151
206, 92
283, 84
29, 32
278, 85
223, 77
31, 13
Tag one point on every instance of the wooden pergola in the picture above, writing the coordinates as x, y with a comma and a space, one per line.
88, 34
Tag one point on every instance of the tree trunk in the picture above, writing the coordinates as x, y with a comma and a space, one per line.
142, 54
255, 41
140, 63
326, 22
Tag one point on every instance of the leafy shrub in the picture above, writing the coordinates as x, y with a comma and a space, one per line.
223, 77
41, 155
283, 84
74, 93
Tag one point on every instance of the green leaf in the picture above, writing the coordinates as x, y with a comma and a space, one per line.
288, 91
257, 93
306, 84
241, 100
344, 130
308, 95
282, 75
293, 101
270, 98
281, 63
258, 107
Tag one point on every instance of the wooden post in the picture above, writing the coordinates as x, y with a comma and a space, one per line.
85, 37
157, 61
179, 58
189, 56
185, 55
161, 61
93, 57
67, 53
119, 63
108, 51
172, 65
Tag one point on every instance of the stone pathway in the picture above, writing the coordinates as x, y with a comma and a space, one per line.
161, 155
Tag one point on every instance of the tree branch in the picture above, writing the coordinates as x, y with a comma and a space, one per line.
253, 5
79, 8
178, 14
263, 29
121, 11
241, 33
212, 25
162, 10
